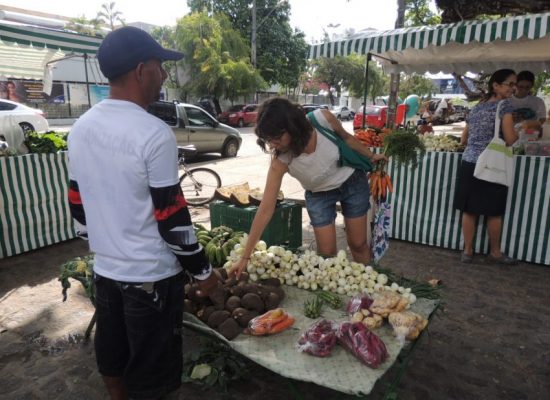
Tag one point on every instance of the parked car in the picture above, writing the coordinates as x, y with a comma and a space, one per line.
377, 116
239, 115
30, 119
342, 112
193, 125
310, 107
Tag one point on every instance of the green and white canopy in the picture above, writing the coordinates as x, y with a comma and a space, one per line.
521, 42
25, 50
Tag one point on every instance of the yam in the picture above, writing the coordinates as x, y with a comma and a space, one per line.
218, 297
243, 316
229, 329
252, 301
251, 288
271, 301
223, 273
275, 282
217, 318
232, 303
204, 313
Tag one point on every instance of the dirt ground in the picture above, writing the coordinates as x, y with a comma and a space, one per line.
489, 340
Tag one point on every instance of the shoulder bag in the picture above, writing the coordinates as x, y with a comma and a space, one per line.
348, 156
496, 163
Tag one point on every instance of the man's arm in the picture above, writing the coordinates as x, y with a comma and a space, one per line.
77, 210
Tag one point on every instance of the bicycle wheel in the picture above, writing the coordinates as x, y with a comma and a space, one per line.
199, 185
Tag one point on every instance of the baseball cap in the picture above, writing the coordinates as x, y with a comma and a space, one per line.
124, 48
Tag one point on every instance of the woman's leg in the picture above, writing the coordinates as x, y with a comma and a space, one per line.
468, 230
325, 236
494, 228
356, 233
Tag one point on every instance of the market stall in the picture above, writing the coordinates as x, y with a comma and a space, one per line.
34, 211
422, 205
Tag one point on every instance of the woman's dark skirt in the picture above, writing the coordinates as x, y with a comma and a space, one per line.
478, 197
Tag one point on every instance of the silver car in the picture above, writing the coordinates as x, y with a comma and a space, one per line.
30, 119
342, 112
193, 125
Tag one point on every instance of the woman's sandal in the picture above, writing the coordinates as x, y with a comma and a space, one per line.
503, 259
466, 259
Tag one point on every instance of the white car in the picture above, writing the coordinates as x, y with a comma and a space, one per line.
30, 119
342, 112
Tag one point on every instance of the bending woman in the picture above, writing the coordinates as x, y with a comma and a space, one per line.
475, 197
297, 148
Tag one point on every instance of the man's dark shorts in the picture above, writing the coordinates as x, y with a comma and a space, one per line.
138, 334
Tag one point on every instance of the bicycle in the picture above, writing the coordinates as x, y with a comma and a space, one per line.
197, 184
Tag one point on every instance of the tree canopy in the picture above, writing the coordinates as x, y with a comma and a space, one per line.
216, 59
280, 50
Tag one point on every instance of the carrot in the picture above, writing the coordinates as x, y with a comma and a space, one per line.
384, 188
281, 326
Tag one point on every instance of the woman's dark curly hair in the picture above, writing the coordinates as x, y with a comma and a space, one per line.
277, 116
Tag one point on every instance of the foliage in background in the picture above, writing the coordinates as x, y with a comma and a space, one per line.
109, 15
166, 36
216, 59
85, 26
418, 13
50, 142
338, 72
280, 50
416, 84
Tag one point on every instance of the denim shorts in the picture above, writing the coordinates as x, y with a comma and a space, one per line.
138, 334
353, 196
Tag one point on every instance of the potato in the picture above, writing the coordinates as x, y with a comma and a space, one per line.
271, 301
275, 282
252, 301
218, 297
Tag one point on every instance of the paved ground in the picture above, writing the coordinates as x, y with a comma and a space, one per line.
491, 340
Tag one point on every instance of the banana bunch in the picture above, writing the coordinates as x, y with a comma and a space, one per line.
217, 242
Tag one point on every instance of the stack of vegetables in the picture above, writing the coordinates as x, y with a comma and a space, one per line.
371, 137
442, 143
314, 272
217, 242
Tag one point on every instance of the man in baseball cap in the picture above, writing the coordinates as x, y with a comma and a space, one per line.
124, 193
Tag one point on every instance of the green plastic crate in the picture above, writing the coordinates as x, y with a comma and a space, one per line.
284, 229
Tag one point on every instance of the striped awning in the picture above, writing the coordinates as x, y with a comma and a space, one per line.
25, 50
517, 42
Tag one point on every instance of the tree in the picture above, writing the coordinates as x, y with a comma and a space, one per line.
339, 72
418, 13
85, 26
459, 10
166, 36
109, 15
280, 50
416, 84
216, 61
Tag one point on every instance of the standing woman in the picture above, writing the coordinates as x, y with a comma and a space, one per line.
297, 148
475, 197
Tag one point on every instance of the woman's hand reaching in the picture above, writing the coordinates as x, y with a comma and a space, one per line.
379, 157
238, 268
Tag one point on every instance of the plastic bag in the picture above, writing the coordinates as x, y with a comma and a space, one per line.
358, 302
362, 343
271, 322
319, 339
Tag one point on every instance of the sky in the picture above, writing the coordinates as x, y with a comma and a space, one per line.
310, 16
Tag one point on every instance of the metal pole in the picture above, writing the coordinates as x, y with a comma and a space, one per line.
253, 40
365, 95
87, 81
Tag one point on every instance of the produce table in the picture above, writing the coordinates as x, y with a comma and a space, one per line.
341, 371
423, 212
34, 211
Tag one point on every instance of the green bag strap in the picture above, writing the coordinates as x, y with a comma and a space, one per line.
328, 133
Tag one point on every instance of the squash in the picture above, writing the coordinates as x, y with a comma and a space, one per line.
255, 197
224, 192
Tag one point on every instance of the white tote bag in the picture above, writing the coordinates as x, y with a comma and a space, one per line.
496, 163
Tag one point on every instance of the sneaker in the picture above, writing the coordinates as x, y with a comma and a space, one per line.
503, 259
466, 259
